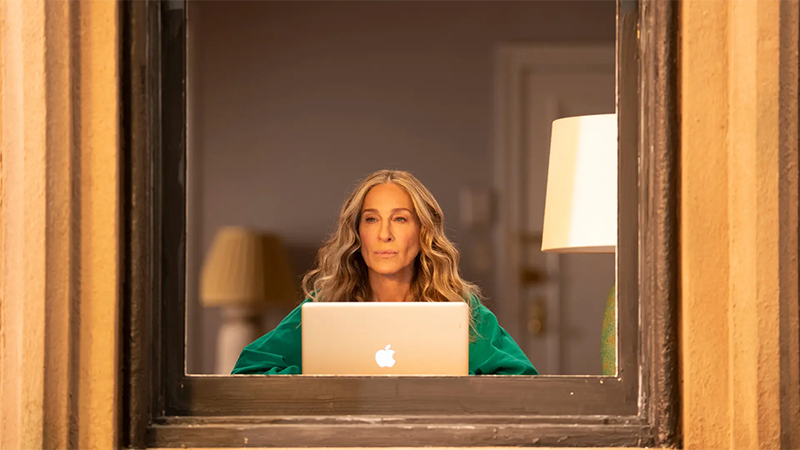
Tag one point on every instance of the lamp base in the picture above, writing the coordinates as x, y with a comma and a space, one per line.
608, 343
240, 327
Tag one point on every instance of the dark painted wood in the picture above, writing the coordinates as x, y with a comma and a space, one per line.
659, 205
166, 408
172, 211
300, 395
627, 195
394, 435
365, 419
140, 130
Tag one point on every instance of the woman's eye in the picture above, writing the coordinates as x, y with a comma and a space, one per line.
401, 219
370, 220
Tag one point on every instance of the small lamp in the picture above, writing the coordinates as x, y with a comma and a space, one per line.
243, 273
581, 202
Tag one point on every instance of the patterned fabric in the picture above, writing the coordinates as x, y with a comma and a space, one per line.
608, 349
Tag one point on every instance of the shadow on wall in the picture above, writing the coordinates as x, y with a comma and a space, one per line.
302, 258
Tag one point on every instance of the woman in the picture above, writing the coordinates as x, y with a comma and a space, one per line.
389, 246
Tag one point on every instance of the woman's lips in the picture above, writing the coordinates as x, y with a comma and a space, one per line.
386, 253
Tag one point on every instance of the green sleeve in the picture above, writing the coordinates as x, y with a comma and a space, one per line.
494, 351
278, 352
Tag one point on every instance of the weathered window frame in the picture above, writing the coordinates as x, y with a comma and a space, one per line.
163, 407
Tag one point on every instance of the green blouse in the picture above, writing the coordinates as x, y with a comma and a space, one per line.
279, 352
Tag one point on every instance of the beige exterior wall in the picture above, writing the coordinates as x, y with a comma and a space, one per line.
59, 212
739, 223
59, 292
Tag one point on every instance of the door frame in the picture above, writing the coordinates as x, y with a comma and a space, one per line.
511, 64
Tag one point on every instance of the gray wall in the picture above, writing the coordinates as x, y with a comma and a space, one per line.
290, 103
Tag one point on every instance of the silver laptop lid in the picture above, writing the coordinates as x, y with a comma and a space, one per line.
390, 338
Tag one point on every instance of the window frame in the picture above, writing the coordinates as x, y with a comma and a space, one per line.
164, 407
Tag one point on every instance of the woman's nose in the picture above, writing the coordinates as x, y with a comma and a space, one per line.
385, 232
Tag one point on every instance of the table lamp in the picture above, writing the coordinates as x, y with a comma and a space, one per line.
244, 273
581, 202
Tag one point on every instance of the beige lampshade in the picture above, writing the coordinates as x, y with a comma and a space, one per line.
246, 268
580, 213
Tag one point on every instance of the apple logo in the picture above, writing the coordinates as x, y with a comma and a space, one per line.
385, 357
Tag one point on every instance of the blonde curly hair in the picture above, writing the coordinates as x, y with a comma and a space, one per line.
341, 275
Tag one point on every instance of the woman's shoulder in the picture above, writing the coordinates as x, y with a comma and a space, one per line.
482, 316
476, 304
310, 297
294, 315
297, 309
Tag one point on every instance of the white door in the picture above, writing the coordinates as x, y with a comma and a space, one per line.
552, 305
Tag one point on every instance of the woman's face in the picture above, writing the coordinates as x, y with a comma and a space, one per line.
389, 231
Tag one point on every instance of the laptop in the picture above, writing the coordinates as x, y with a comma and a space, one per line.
387, 338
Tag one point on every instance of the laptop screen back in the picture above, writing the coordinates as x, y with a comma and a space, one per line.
390, 338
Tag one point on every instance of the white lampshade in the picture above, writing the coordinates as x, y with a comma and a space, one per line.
246, 268
580, 213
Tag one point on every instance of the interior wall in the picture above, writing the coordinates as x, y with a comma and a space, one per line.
293, 102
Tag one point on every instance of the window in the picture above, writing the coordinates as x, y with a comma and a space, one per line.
166, 408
